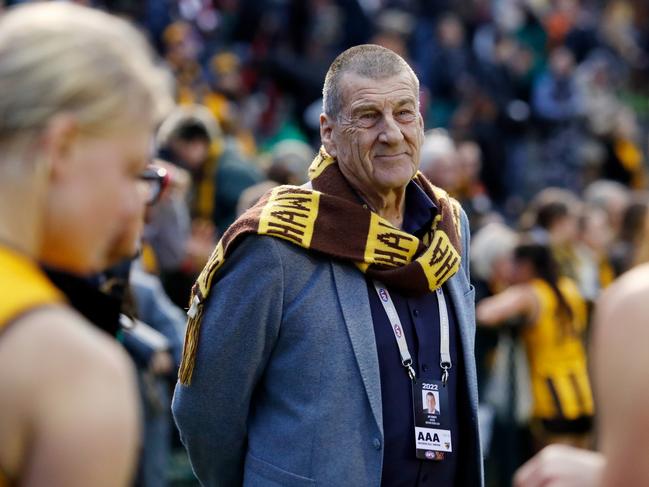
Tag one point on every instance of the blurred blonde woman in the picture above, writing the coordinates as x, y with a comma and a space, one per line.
79, 96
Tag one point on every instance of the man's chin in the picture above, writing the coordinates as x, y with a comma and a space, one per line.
394, 183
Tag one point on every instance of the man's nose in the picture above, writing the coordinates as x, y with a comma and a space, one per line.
390, 131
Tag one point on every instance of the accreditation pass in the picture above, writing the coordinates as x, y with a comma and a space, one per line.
430, 408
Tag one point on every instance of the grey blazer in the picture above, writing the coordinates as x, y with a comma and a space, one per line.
286, 388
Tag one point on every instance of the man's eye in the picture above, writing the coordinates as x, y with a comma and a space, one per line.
405, 115
368, 116
368, 119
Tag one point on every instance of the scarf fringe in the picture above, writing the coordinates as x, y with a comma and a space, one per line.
186, 371
190, 347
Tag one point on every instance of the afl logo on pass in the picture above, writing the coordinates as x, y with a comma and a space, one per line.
383, 294
397, 330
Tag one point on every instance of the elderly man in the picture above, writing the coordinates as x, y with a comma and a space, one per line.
326, 310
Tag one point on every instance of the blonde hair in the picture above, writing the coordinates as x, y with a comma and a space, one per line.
64, 58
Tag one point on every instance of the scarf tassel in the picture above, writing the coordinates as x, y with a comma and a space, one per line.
195, 315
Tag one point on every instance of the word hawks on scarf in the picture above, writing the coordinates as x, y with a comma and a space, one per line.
330, 218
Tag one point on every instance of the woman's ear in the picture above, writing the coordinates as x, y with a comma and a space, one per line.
57, 143
326, 132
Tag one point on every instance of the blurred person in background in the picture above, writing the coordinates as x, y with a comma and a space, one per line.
614, 127
630, 240
182, 46
557, 98
235, 108
594, 269
289, 164
471, 192
450, 50
192, 138
439, 160
552, 218
558, 102
554, 319
73, 148
491, 273
168, 222
500, 361
624, 160
620, 376
613, 197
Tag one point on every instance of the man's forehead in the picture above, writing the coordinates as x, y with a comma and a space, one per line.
358, 88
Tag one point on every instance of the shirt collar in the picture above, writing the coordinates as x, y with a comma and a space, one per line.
420, 209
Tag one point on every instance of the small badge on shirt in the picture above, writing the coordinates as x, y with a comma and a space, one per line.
430, 407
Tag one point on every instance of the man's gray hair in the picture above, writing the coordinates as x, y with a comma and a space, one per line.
367, 60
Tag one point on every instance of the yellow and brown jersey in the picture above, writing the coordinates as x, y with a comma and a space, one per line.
558, 365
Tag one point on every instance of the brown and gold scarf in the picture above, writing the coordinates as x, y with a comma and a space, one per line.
329, 218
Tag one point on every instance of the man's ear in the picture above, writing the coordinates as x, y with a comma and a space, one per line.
326, 132
57, 143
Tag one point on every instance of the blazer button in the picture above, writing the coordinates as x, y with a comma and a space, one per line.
377, 443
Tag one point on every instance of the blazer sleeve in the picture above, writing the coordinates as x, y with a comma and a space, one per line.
239, 328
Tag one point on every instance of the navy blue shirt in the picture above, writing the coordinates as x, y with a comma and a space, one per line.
420, 321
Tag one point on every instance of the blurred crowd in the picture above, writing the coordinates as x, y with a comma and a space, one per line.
537, 114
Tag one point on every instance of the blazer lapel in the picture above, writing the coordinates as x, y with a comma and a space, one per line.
355, 306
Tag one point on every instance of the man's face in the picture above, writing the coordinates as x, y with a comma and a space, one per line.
192, 153
378, 134
94, 199
431, 401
